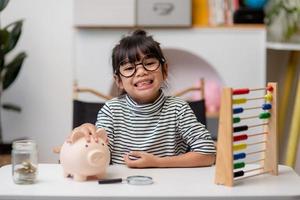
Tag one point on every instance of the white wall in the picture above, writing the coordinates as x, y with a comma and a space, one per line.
44, 86
234, 53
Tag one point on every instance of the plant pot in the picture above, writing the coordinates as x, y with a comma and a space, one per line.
5, 153
5, 148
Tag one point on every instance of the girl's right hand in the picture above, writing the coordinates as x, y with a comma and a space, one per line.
89, 130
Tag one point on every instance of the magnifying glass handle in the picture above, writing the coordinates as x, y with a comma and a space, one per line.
109, 181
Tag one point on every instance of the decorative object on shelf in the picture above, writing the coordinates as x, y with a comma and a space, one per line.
146, 13
213, 12
175, 13
250, 12
200, 14
283, 20
255, 4
82, 159
104, 13
9, 36
242, 136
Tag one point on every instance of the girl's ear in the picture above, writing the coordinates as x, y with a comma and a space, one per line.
165, 71
118, 82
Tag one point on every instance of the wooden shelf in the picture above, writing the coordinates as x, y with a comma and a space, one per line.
233, 26
283, 46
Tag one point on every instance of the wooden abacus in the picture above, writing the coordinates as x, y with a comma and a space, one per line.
230, 160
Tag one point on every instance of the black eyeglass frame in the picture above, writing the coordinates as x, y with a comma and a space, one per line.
161, 62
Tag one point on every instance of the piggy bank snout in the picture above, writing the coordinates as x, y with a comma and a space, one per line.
95, 157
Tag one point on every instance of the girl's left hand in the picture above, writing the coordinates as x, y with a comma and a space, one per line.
143, 160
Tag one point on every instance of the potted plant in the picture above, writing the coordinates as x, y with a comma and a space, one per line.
283, 20
9, 68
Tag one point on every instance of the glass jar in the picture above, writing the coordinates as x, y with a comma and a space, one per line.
24, 161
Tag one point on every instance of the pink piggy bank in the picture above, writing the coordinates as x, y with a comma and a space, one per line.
81, 159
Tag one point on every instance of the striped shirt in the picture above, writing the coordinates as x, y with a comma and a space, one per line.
166, 127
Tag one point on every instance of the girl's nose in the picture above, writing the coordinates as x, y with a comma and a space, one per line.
140, 70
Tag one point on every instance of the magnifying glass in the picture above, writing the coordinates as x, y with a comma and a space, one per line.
132, 180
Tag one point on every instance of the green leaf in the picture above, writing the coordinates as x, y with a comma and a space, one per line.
3, 4
4, 37
13, 69
15, 30
2, 61
11, 107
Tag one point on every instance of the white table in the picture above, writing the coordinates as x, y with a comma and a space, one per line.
172, 183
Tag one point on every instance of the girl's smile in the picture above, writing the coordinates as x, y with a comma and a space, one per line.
144, 84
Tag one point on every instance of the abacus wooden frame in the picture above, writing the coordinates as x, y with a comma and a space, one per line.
224, 160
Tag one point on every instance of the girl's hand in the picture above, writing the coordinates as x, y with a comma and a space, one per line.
144, 159
88, 131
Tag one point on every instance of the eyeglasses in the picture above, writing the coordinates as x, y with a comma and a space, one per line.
128, 69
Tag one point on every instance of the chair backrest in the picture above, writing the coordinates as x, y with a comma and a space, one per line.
86, 112
198, 106
83, 111
199, 109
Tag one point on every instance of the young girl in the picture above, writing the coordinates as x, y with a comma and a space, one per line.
146, 128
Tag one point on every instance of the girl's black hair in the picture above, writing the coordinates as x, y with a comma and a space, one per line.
132, 46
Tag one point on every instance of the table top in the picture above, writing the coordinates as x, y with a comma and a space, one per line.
169, 183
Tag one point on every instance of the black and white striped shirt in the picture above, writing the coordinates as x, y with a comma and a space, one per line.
166, 127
